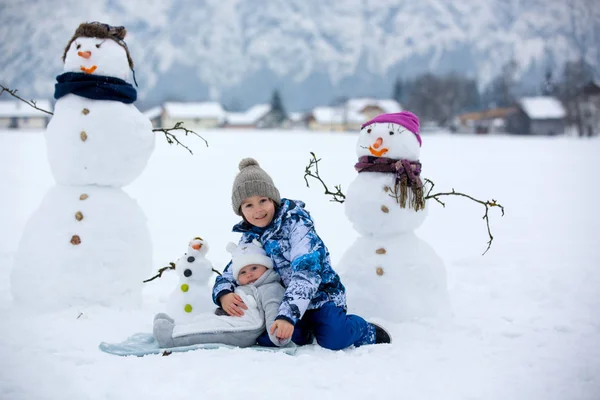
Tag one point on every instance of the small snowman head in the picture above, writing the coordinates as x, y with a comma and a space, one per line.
193, 266
98, 49
198, 247
393, 136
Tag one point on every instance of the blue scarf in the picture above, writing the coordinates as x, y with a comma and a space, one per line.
96, 87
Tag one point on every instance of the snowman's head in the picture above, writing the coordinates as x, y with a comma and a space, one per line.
98, 49
198, 246
393, 136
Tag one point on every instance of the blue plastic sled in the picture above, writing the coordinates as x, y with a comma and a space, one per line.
143, 344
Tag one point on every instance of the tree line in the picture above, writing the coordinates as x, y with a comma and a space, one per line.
439, 98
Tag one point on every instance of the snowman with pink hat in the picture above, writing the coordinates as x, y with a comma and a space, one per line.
389, 271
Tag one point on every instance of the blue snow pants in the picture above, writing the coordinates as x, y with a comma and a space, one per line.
331, 326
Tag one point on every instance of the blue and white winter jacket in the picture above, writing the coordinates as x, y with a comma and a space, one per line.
299, 256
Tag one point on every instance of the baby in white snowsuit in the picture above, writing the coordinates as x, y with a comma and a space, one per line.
260, 289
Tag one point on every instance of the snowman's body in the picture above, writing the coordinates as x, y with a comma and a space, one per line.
88, 243
388, 271
193, 295
118, 142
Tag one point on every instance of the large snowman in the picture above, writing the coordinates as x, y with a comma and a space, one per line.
88, 243
389, 271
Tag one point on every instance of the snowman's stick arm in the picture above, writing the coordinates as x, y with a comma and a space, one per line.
160, 272
486, 203
31, 103
338, 196
171, 138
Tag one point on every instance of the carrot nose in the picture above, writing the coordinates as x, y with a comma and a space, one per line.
84, 54
196, 246
378, 143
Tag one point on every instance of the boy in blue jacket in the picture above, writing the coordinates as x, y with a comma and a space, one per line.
315, 300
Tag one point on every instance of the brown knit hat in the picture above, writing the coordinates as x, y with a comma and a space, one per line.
101, 31
252, 180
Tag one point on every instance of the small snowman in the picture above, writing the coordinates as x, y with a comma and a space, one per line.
192, 296
390, 272
88, 243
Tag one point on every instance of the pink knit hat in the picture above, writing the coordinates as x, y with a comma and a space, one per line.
405, 118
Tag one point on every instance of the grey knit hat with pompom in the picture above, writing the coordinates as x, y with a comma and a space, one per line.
252, 181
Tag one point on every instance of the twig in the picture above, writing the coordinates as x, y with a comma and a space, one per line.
31, 103
217, 272
160, 272
171, 138
338, 196
487, 204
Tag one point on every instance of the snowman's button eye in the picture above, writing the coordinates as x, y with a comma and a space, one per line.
98, 46
391, 132
78, 46
368, 130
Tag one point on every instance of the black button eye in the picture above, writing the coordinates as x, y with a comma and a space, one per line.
391, 132
368, 130
187, 273
78, 46
98, 46
191, 259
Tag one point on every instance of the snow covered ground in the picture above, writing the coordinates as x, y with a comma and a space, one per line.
526, 319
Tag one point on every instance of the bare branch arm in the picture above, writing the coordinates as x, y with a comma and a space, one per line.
486, 204
338, 196
31, 103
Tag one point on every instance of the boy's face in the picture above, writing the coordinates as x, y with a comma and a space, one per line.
250, 273
258, 210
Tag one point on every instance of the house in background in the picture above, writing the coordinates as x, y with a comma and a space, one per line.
370, 108
487, 121
259, 116
18, 115
542, 115
155, 115
334, 119
202, 115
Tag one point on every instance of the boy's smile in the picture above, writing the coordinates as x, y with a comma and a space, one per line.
258, 210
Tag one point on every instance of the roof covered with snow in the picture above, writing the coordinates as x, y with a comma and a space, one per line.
18, 108
250, 116
153, 112
208, 109
542, 107
387, 105
337, 115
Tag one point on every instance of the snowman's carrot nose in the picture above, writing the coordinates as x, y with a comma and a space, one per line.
84, 54
378, 143
196, 246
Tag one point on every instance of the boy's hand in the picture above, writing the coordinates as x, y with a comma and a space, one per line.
233, 304
283, 328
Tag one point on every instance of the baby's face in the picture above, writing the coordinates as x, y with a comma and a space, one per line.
250, 273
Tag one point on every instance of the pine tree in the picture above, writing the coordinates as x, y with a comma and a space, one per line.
398, 91
277, 109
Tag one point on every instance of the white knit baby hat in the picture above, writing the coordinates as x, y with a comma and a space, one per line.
246, 254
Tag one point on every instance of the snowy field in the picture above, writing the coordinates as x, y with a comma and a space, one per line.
526, 319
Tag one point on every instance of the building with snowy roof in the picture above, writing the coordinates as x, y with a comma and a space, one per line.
337, 119
18, 115
256, 116
202, 115
370, 107
541, 115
